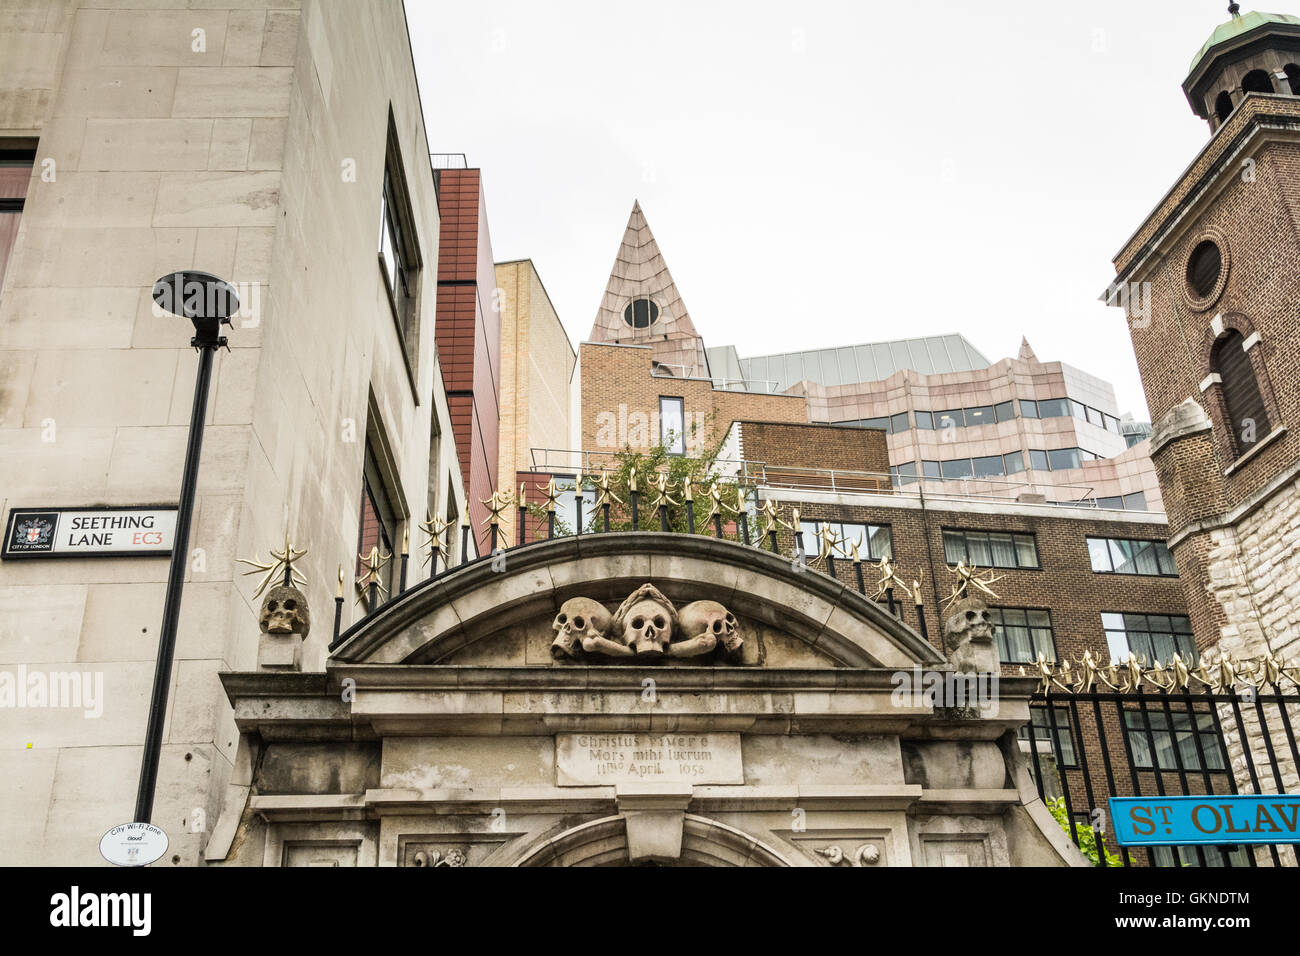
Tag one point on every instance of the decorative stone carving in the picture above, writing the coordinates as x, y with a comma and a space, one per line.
968, 637
435, 858
707, 625
646, 628
647, 621
865, 855
285, 621
580, 620
285, 611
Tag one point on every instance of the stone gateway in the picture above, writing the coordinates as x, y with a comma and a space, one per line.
477, 720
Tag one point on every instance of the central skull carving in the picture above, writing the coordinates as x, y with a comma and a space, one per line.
580, 620
285, 611
647, 630
646, 621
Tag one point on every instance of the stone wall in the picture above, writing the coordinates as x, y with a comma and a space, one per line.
1254, 578
251, 143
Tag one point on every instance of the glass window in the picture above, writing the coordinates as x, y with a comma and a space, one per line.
1112, 423
378, 523
1053, 407
980, 415
1038, 460
1028, 409
1022, 634
1137, 501
873, 423
566, 511
925, 420
990, 467
990, 549
672, 429
904, 474
399, 253
1094, 417
1152, 637
1099, 555
1078, 410
15, 173
953, 418
1042, 724
957, 468
1014, 463
874, 541
1062, 459
930, 469
1026, 551
898, 423
1004, 411
1121, 556
1116, 503
1154, 727
392, 249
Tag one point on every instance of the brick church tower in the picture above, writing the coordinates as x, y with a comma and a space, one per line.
1211, 284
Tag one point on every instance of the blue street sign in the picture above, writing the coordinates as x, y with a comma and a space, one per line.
1211, 819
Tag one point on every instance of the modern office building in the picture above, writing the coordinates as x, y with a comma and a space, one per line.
952, 416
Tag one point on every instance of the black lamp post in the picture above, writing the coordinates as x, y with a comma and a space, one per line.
208, 302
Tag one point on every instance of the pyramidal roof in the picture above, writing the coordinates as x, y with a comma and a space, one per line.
640, 276
1026, 351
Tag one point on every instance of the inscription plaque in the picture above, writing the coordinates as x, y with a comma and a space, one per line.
584, 760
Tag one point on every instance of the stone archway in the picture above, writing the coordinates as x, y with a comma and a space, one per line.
604, 842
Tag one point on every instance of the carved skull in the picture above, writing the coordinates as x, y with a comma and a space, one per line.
701, 618
285, 611
579, 618
968, 622
968, 636
648, 628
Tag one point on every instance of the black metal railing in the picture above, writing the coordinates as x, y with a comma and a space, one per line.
1134, 731
731, 513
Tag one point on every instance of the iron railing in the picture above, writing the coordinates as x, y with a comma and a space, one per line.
1126, 731
728, 510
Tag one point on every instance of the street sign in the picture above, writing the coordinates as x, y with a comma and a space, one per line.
89, 532
1212, 819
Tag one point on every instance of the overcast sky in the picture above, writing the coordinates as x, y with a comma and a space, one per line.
828, 173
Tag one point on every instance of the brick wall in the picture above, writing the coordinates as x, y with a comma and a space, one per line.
846, 448
620, 402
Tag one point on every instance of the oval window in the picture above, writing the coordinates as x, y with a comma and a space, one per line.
641, 313
1203, 268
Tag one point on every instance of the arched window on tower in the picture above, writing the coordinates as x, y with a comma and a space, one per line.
1292, 78
1257, 81
1223, 106
1247, 416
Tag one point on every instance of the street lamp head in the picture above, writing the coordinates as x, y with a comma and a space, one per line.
201, 297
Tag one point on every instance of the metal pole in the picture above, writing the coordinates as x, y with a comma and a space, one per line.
162, 674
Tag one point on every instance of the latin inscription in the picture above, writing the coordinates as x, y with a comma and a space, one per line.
584, 760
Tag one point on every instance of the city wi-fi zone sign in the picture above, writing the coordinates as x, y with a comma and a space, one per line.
89, 532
